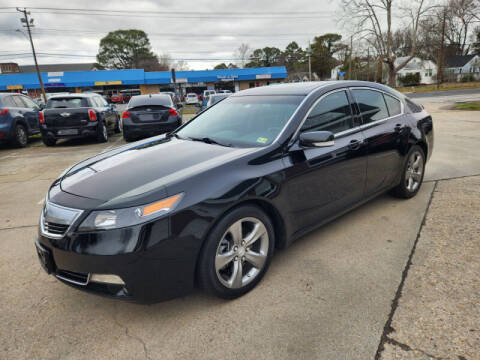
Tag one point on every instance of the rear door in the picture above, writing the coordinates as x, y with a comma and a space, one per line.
385, 131
31, 113
323, 181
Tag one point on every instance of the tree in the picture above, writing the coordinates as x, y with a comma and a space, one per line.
126, 49
221, 66
323, 49
268, 56
476, 41
294, 58
374, 19
460, 16
243, 54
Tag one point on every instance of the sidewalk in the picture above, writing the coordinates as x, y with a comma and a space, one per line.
438, 312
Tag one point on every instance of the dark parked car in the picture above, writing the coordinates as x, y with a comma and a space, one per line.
208, 203
19, 117
149, 115
78, 115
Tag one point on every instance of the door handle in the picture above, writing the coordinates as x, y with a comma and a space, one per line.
398, 127
354, 144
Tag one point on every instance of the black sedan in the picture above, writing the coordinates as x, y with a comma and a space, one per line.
149, 115
209, 203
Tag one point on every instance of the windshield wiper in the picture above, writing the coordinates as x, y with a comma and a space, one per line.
208, 140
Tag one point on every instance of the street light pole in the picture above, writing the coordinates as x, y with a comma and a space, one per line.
28, 24
309, 61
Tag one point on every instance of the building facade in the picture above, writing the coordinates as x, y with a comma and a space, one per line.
147, 82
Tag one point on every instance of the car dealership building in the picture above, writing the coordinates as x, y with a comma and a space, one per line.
108, 81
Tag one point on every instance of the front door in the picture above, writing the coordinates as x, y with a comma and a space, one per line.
324, 181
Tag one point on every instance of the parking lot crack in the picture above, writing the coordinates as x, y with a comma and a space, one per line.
387, 330
18, 227
131, 336
405, 347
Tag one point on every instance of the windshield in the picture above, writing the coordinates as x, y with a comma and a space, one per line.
246, 121
67, 102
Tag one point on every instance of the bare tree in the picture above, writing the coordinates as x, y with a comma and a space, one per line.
165, 61
243, 54
461, 15
374, 17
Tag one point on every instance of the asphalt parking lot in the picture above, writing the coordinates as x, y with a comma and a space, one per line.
334, 294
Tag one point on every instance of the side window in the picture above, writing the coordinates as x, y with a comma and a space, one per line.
101, 101
17, 100
372, 105
393, 105
94, 101
8, 102
29, 103
333, 113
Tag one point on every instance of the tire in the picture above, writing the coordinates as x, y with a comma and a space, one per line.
224, 254
127, 137
21, 136
118, 128
49, 141
412, 174
102, 133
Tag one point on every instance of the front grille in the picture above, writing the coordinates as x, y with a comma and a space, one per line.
73, 277
54, 228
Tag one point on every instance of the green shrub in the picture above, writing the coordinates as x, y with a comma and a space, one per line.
409, 79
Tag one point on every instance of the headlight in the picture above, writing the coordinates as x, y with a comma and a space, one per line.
119, 218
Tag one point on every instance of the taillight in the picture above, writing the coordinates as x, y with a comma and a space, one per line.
41, 117
3, 112
126, 115
172, 112
92, 115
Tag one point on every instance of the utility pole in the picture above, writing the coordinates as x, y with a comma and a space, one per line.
350, 62
368, 64
309, 61
29, 23
442, 50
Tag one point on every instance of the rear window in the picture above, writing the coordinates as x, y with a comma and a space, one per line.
192, 95
70, 102
145, 100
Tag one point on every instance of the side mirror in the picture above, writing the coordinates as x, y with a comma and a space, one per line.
317, 139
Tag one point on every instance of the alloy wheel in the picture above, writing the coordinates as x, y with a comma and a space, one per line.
414, 172
21, 135
242, 253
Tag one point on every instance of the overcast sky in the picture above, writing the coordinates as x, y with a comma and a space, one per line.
224, 25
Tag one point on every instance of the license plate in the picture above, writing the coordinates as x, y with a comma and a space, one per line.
67, 132
45, 258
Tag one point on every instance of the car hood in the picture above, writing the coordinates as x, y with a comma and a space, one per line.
144, 168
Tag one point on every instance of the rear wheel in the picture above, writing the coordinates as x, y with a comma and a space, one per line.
21, 136
412, 176
49, 141
237, 253
102, 132
118, 128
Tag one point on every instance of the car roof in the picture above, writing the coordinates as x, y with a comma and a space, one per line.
305, 88
9, 94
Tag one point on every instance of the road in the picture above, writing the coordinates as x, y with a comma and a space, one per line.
446, 97
328, 296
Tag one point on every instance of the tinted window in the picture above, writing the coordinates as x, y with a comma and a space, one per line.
18, 102
8, 102
394, 107
415, 108
372, 105
101, 101
247, 121
67, 102
143, 100
29, 103
332, 113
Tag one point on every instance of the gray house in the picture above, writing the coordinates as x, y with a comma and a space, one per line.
461, 65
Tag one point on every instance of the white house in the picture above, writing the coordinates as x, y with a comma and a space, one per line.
463, 65
426, 68
336, 73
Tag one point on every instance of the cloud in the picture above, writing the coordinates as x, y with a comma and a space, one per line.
191, 37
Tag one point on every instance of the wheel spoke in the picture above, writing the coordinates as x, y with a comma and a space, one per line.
256, 259
410, 183
236, 231
237, 275
417, 176
258, 231
222, 260
416, 162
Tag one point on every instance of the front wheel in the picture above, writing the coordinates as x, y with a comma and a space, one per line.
102, 133
412, 176
237, 253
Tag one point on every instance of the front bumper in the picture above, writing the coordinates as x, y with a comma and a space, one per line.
156, 267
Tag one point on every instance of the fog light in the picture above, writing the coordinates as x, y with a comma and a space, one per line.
107, 279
